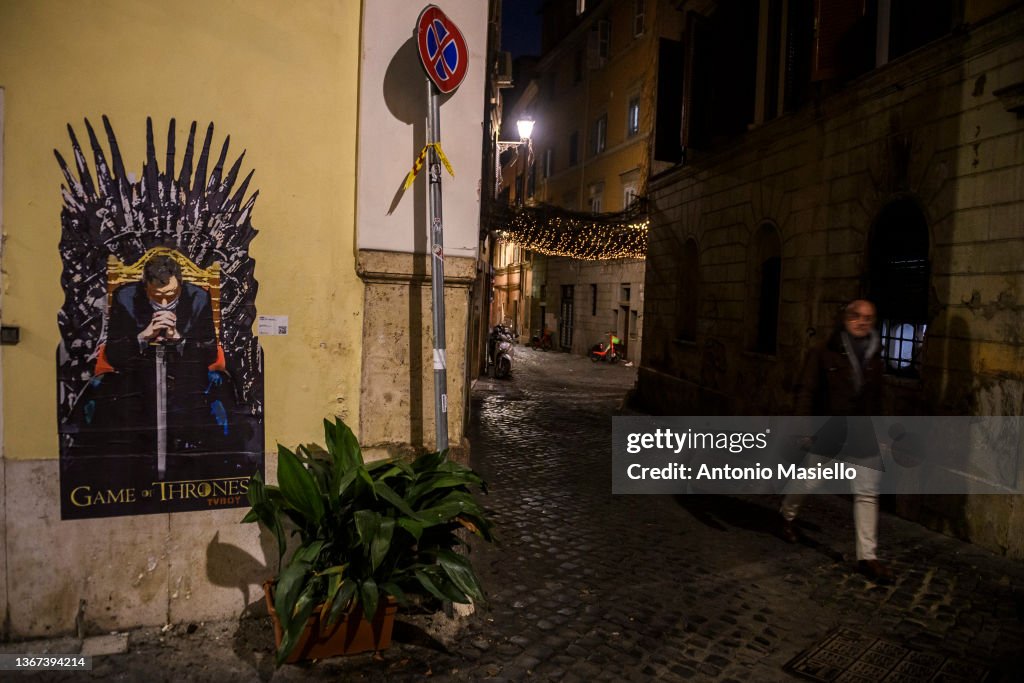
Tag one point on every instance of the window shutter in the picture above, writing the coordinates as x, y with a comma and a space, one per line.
696, 96
899, 277
799, 41
593, 48
669, 101
834, 20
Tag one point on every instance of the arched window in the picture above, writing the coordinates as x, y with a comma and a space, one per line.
898, 282
687, 296
767, 283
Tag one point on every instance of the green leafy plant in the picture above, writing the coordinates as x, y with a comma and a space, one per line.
365, 530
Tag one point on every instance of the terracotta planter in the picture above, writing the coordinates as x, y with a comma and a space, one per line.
351, 635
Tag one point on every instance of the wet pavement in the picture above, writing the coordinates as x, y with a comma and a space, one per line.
587, 586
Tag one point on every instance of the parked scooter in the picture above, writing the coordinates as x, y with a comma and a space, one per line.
542, 341
610, 352
499, 355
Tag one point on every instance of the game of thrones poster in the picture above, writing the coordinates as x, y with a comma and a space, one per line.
160, 379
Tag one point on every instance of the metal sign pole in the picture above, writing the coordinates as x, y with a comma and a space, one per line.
437, 268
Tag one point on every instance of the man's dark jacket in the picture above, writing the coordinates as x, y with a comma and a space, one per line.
131, 311
829, 386
132, 391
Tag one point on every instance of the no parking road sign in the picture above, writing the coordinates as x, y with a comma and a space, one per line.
442, 49
445, 58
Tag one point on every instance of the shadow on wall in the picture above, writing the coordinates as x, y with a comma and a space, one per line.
230, 566
949, 513
948, 374
405, 95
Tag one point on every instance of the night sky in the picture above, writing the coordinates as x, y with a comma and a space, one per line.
520, 27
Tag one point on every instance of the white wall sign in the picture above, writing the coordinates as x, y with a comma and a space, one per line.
272, 325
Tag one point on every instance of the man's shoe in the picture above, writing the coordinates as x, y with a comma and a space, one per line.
788, 531
876, 571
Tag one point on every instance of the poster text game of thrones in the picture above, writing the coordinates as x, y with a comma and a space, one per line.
160, 379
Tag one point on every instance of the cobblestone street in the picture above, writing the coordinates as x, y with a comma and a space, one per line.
587, 586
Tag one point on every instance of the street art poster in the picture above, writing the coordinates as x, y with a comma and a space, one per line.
159, 376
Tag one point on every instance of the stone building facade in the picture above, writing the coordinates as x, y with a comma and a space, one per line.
901, 180
588, 300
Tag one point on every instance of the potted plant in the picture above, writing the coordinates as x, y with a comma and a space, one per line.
370, 534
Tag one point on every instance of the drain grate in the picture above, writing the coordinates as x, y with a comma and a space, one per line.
846, 656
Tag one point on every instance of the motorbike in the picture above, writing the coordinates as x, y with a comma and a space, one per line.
542, 341
610, 352
499, 355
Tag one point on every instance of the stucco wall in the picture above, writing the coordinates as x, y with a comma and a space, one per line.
119, 572
927, 127
392, 224
3, 505
392, 131
283, 84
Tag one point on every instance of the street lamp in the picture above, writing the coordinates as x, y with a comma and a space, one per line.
525, 128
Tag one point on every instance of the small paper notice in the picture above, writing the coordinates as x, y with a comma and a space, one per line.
272, 325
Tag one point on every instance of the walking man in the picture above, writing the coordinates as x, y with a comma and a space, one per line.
842, 379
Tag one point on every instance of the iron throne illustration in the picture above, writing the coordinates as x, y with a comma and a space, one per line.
170, 245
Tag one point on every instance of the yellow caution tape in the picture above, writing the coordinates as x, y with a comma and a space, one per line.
417, 165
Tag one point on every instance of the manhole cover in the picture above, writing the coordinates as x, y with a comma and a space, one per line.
846, 656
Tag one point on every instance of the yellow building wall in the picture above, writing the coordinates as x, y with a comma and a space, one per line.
630, 71
282, 84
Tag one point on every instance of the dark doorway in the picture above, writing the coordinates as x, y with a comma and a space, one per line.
566, 318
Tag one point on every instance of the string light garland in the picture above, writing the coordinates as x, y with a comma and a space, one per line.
554, 231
